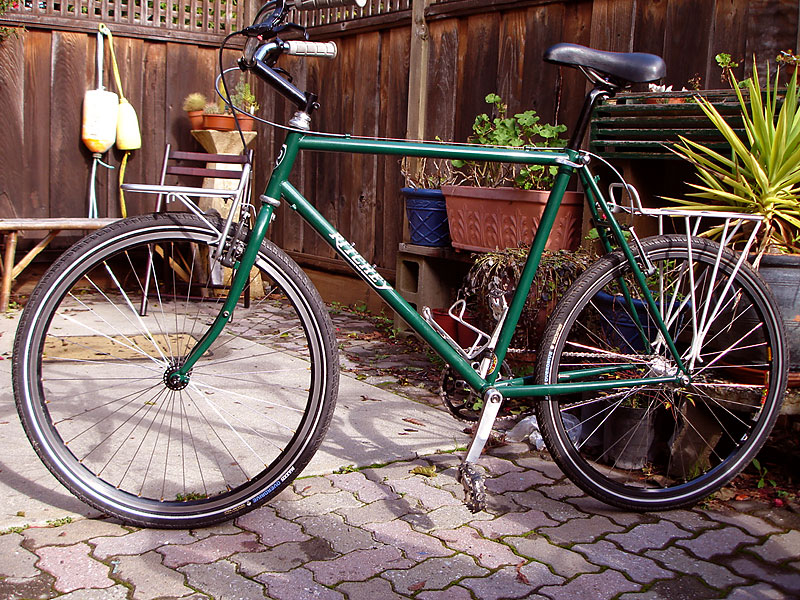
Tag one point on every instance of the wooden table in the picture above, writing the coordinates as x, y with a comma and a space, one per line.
10, 230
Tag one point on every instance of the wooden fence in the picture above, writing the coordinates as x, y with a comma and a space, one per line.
404, 66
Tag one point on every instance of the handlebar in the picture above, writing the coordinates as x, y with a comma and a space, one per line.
264, 47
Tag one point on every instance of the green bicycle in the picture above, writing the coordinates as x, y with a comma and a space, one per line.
175, 417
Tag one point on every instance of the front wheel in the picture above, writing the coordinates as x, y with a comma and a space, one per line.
669, 443
92, 364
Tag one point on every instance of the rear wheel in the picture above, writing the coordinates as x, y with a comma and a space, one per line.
668, 444
91, 375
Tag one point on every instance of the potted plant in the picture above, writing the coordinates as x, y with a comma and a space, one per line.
497, 205
220, 117
496, 273
760, 176
425, 203
215, 117
194, 104
244, 99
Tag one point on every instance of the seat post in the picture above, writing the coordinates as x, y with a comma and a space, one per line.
592, 98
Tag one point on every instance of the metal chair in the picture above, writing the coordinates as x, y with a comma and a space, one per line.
196, 164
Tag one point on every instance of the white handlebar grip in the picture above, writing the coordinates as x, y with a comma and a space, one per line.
320, 49
314, 4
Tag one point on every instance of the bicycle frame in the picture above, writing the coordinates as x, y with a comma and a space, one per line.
568, 162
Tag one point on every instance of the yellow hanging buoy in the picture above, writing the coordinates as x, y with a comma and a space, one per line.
128, 134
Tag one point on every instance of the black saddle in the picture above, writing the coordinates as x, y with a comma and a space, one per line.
617, 68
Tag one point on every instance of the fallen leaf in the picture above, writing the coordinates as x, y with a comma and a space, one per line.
520, 575
414, 421
415, 587
426, 471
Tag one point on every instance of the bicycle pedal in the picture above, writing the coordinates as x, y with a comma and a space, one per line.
474, 487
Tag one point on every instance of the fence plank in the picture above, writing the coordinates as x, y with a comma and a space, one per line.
477, 69
35, 200
68, 173
12, 196
394, 91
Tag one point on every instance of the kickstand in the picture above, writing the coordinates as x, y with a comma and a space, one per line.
471, 477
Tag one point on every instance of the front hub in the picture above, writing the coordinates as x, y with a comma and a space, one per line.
174, 380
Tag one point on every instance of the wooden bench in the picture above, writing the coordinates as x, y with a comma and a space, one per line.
10, 230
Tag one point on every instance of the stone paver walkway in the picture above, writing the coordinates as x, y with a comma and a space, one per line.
384, 532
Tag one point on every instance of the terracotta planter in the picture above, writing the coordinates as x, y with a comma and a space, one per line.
246, 123
218, 122
195, 118
483, 219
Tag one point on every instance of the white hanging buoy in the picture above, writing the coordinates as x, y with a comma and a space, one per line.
100, 111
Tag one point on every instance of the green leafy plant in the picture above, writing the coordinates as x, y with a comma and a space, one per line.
519, 130
243, 97
762, 473
762, 173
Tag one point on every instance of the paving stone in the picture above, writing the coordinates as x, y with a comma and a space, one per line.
433, 574
455, 592
375, 588
545, 467
592, 506
428, 496
776, 576
760, 591
783, 518
690, 520
557, 510
638, 568
359, 565
755, 526
71, 533
516, 481
321, 504
717, 542
297, 584
564, 562
26, 588
17, 561
221, 581
446, 517
415, 545
271, 529
117, 592
376, 512
282, 558
149, 577
513, 582
518, 524
488, 553
310, 486
139, 542
680, 588
580, 530
73, 568
779, 548
332, 529
394, 471
208, 550
597, 586
496, 466
649, 536
561, 491
365, 490
227, 528
679, 560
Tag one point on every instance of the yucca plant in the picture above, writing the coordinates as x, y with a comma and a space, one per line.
762, 174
